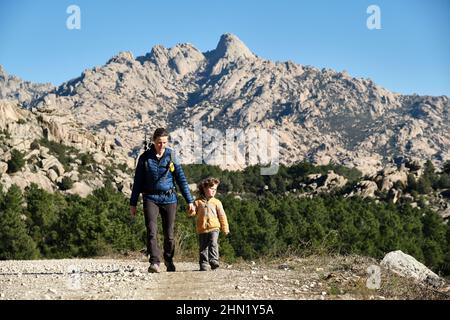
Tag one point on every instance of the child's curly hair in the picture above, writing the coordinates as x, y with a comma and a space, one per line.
206, 183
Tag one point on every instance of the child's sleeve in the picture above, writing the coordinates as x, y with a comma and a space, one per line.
222, 218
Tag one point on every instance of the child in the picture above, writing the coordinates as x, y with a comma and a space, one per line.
210, 219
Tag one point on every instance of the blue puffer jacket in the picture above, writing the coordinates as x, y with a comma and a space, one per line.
153, 179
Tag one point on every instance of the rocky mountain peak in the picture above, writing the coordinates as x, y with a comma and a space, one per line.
322, 115
230, 47
15, 89
183, 58
122, 57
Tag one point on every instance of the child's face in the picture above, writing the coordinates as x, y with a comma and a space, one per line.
211, 191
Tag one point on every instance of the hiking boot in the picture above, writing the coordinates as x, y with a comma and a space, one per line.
154, 268
170, 266
214, 265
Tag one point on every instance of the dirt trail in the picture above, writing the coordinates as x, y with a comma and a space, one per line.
311, 278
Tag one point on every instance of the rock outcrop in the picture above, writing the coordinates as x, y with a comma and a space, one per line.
408, 266
321, 115
15, 89
28, 132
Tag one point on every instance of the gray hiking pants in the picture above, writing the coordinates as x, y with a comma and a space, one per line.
209, 248
167, 212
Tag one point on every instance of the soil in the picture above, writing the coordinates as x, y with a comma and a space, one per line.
316, 277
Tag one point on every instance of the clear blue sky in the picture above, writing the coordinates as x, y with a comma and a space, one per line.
410, 54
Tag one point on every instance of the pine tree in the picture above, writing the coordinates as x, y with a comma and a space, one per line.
446, 168
42, 214
16, 162
424, 185
15, 243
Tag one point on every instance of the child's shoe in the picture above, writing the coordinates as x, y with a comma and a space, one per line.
154, 268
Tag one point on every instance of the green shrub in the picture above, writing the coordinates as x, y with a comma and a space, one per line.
65, 184
34, 145
60, 151
86, 159
16, 162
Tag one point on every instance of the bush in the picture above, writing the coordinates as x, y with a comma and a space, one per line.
34, 145
446, 167
60, 151
65, 184
424, 185
16, 162
86, 159
444, 181
4, 134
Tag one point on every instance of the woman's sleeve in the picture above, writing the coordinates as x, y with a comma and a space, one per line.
138, 181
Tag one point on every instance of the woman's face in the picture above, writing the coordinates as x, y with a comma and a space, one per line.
160, 144
211, 191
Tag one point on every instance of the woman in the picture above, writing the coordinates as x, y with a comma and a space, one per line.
155, 176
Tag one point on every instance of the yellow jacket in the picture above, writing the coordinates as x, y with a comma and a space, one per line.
210, 215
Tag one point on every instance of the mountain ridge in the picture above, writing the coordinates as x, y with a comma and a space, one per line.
321, 115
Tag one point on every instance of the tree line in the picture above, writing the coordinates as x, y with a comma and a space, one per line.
38, 224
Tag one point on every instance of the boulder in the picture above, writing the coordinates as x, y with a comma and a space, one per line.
33, 153
52, 162
365, 189
125, 186
326, 182
445, 214
73, 175
26, 178
52, 175
100, 158
44, 152
5, 182
3, 167
407, 266
313, 177
81, 189
392, 177
334, 180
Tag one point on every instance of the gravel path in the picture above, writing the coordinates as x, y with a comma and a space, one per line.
129, 279
111, 279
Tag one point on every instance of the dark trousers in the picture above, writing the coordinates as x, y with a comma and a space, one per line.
167, 212
209, 248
